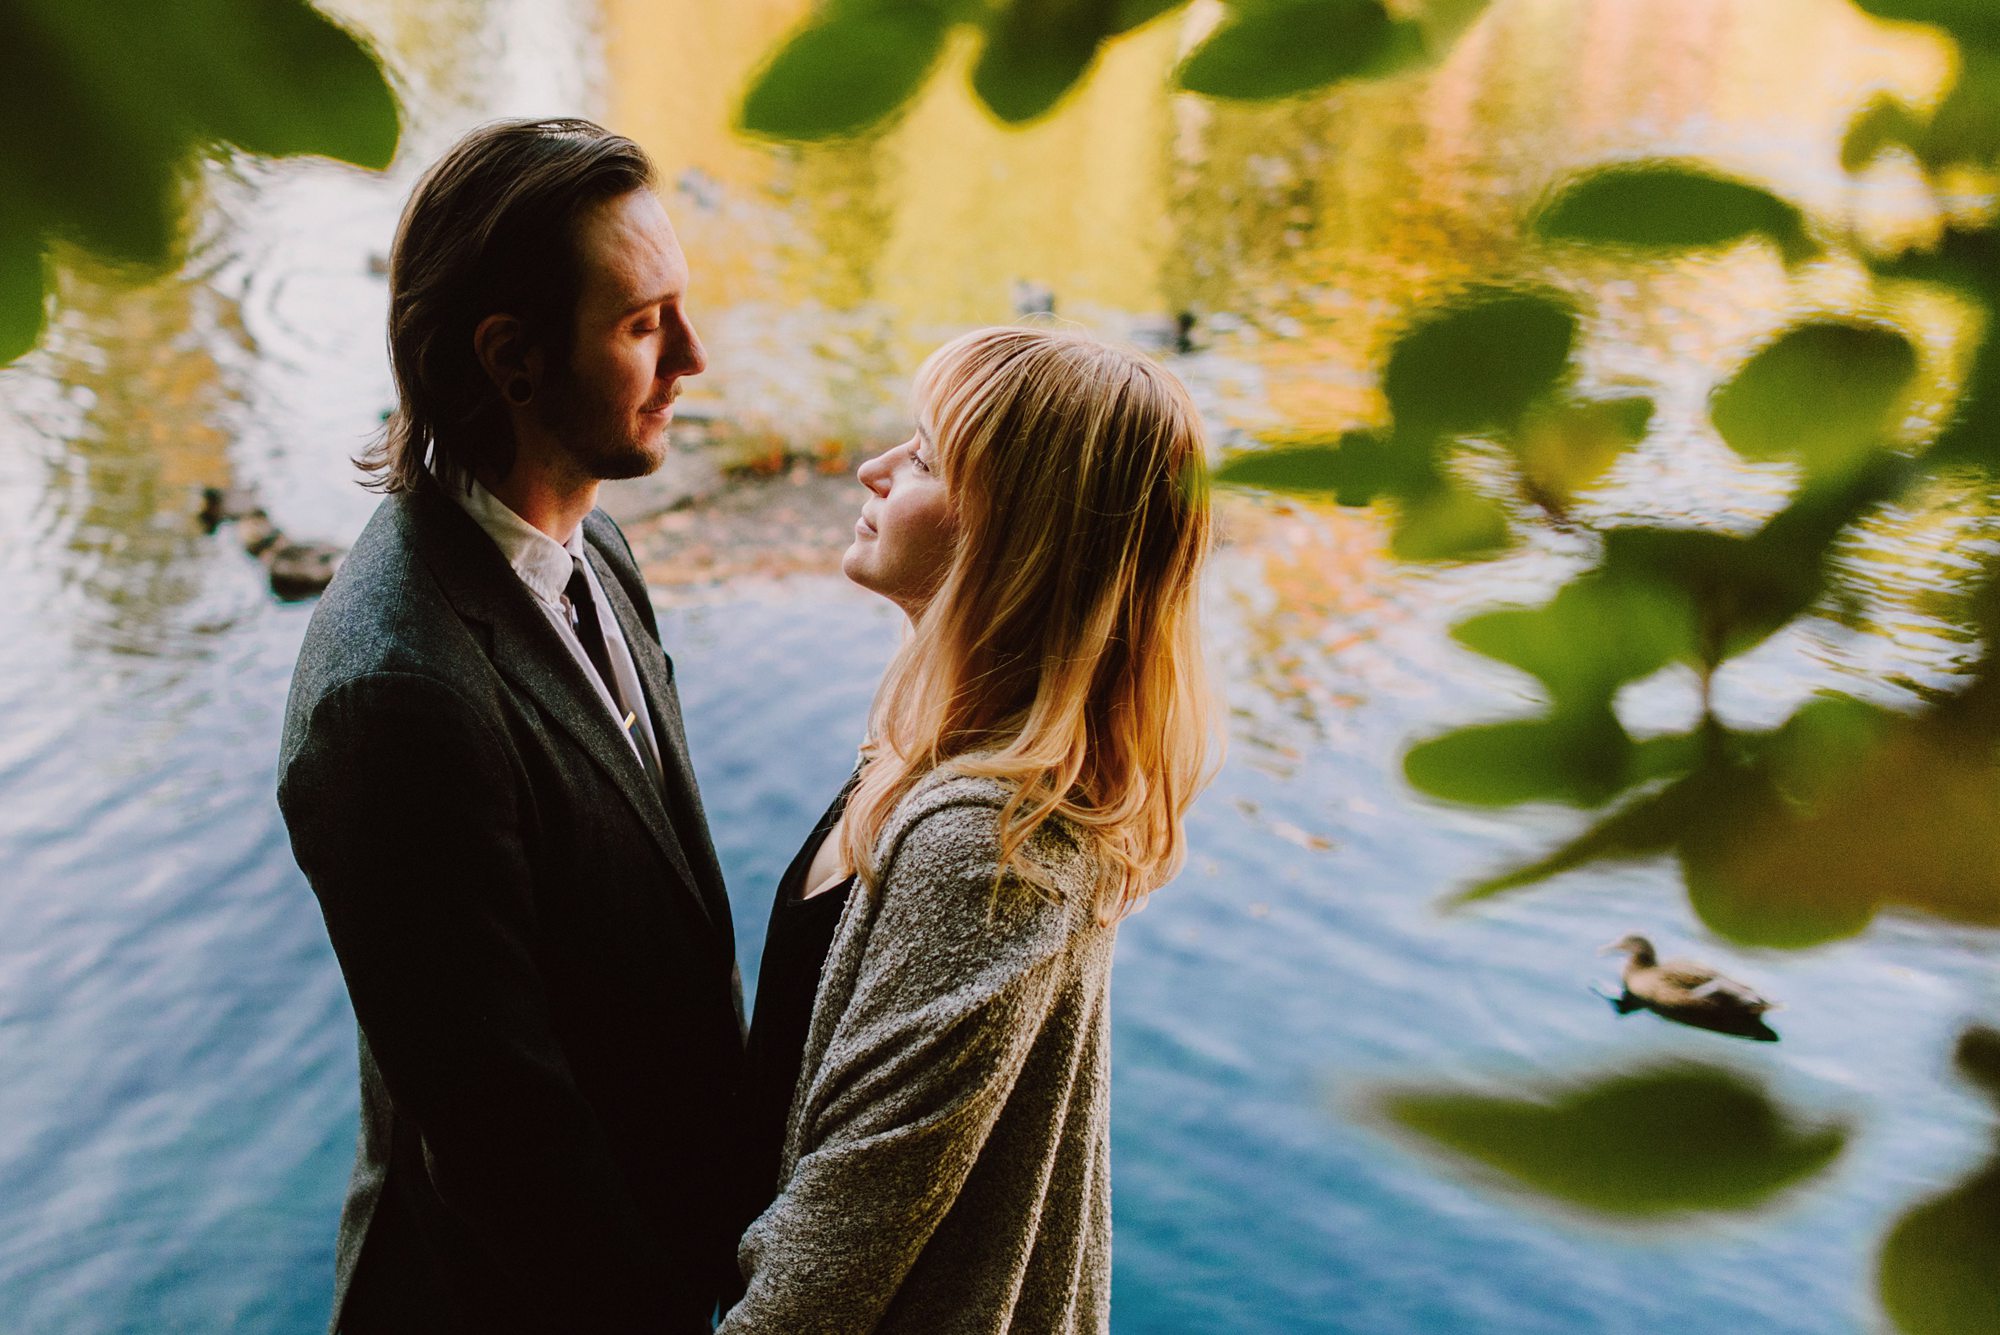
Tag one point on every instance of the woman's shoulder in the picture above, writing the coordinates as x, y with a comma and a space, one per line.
947, 828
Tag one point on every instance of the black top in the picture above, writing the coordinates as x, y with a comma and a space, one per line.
795, 950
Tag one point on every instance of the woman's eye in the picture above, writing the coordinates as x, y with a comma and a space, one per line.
919, 461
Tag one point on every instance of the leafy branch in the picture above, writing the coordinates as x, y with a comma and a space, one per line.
854, 63
105, 105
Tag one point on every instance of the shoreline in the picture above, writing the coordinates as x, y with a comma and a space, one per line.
708, 517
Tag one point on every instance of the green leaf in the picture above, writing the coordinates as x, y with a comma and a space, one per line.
1733, 593
1478, 361
1801, 836
1645, 827
1582, 759
1563, 447
1963, 129
1670, 205
1968, 262
1355, 470
1972, 21
1826, 739
1825, 393
1723, 865
1472, 363
284, 80
1939, 1272
22, 290
107, 103
1978, 1059
1598, 632
1287, 47
1443, 22
1885, 121
1449, 524
1647, 1146
1897, 813
1129, 14
1036, 50
845, 72
1966, 126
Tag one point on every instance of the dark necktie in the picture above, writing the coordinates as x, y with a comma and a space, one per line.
583, 616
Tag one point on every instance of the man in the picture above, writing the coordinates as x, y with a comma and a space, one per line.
486, 782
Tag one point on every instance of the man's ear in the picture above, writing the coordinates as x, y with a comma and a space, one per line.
501, 345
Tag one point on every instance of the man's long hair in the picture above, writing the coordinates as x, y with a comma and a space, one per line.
1061, 651
490, 229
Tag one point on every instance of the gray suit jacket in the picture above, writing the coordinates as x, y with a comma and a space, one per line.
537, 945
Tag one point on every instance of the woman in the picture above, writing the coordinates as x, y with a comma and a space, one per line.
943, 1161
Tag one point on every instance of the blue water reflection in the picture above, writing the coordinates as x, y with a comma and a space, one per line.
179, 1109
177, 1085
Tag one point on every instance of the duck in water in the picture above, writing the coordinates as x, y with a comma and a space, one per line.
1688, 993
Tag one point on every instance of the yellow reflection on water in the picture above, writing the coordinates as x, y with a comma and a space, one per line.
140, 366
1300, 234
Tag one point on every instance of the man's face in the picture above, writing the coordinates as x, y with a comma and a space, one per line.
632, 341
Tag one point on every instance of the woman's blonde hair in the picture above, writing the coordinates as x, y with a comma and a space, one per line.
1060, 652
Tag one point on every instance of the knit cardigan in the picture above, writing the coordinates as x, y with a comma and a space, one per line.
947, 1161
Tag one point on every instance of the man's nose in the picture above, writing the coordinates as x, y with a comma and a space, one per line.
685, 355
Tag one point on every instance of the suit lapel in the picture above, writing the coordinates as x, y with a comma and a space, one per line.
663, 702
531, 655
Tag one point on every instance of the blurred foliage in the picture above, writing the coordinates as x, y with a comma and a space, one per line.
1800, 835
1671, 205
1491, 363
1965, 126
854, 63
1856, 378
1787, 837
1967, 263
848, 69
1562, 448
1940, 1265
1477, 362
1280, 48
1974, 22
105, 104
1641, 1147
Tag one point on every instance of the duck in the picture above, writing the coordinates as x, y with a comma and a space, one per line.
219, 505
1688, 992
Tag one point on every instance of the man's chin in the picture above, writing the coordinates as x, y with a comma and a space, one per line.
637, 461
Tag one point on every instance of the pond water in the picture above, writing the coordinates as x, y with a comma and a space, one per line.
177, 1113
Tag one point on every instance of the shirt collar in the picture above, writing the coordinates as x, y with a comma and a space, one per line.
542, 563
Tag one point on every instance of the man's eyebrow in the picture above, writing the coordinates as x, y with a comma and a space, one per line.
648, 304
925, 436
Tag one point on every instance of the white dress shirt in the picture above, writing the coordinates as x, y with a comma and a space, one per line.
544, 566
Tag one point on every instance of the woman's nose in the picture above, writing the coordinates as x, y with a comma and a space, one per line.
874, 473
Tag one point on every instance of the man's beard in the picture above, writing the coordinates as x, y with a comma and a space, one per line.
600, 441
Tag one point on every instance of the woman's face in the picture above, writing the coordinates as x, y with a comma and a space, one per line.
903, 541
